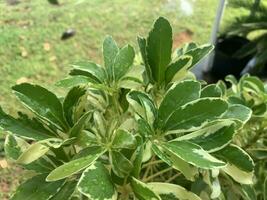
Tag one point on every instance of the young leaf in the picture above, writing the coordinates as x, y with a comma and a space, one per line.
123, 61
199, 53
38, 149
195, 114
110, 50
74, 81
142, 46
65, 191
183, 62
123, 139
121, 166
143, 105
193, 154
95, 183
78, 127
212, 90
14, 147
36, 188
91, 68
159, 47
42, 102
178, 95
142, 191
138, 157
169, 191
73, 166
70, 101
22, 128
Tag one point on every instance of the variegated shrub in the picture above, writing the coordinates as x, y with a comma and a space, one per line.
131, 129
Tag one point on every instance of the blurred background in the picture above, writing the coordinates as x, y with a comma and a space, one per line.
40, 39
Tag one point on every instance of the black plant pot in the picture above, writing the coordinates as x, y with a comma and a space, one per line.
224, 61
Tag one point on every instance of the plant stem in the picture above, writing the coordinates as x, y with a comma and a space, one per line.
157, 174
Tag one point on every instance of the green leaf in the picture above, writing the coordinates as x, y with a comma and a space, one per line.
212, 90
169, 191
38, 149
144, 128
78, 127
123, 61
95, 183
73, 167
159, 47
142, 190
172, 160
143, 105
74, 81
237, 156
249, 192
193, 154
66, 191
23, 128
239, 164
195, 114
91, 68
142, 46
121, 166
123, 139
42, 102
36, 188
138, 157
178, 95
199, 53
71, 100
265, 189
241, 114
182, 62
110, 50
212, 137
14, 146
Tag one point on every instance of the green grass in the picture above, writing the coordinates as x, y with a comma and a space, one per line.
26, 27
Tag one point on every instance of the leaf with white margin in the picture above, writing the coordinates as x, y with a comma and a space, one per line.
73, 166
65, 191
36, 188
213, 137
41, 102
38, 149
96, 183
142, 190
193, 154
212, 90
189, 171
168, 191
123, 139
178, 95
241, 114
143, 105
195, 114
240, 165
121, 166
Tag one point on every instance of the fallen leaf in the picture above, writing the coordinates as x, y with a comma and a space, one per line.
22, 80
23, 52
3, 163
47, 46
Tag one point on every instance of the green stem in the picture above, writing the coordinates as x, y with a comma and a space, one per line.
157, 174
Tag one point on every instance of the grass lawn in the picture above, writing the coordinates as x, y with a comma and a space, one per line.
31, 49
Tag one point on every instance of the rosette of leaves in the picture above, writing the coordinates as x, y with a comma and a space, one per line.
250, 91
125, 131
